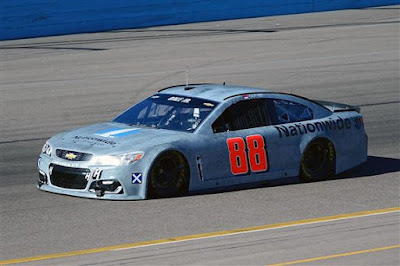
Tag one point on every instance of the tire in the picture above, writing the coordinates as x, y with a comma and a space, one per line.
318, 161
168, 176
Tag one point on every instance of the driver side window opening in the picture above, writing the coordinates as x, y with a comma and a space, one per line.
243, 115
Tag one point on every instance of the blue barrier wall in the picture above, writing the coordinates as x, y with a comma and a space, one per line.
33, 18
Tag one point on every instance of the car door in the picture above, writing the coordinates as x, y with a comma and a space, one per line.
239, 141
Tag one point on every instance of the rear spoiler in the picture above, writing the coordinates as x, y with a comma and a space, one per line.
337, 107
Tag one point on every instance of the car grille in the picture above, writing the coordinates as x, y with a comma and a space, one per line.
67, 177
75, 156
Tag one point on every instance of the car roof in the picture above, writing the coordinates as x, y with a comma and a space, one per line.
212, 92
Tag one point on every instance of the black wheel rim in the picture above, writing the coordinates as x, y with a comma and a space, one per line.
315, 158
165, 172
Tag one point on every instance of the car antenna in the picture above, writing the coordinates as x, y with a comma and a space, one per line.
187, 76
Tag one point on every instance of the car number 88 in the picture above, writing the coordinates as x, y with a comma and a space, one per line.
255, 154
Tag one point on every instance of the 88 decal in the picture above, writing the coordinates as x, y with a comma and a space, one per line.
240, 157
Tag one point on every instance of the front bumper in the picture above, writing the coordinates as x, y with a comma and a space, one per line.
97, 182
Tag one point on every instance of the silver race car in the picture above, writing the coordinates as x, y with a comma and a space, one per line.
201, 137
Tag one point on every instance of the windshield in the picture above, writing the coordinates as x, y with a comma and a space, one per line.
168, 112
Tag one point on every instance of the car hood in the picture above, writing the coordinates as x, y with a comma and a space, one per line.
111, 138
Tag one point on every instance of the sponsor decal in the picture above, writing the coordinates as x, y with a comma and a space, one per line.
95, 140
179, 99
310, 127
137, 178
117, 132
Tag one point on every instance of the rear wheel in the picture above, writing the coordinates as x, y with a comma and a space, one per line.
169, 175
318, 161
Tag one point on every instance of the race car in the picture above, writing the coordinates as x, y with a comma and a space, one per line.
198, 137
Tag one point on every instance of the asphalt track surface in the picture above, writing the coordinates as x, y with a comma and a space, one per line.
57, 83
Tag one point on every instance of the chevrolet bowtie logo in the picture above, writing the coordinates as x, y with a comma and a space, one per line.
70, 156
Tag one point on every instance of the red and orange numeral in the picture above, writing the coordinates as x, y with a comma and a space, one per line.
237, 156
256, 154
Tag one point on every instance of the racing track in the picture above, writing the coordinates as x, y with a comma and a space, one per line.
52, 84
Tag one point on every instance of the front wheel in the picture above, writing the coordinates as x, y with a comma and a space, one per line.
318, 161
169, 175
